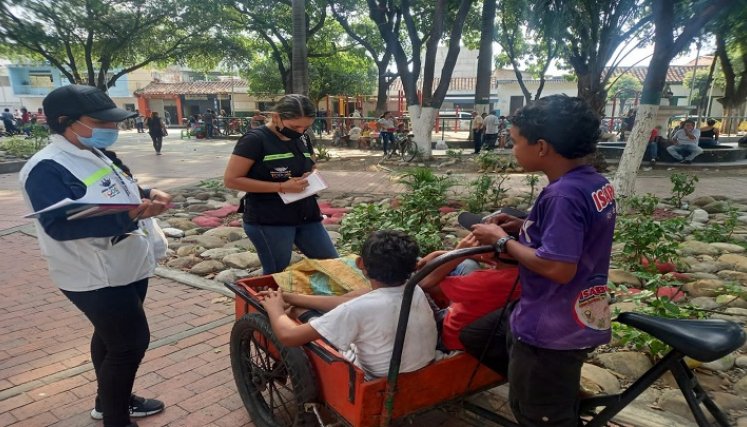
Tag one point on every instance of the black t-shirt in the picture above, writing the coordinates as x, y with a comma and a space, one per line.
276, 160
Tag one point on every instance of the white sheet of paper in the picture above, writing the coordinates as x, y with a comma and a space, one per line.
316, 184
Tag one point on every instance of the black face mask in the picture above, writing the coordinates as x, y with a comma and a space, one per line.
288, 133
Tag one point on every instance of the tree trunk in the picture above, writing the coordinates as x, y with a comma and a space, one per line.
589, 90
627, 170
381, 94
485, 58
422, 127
299, 63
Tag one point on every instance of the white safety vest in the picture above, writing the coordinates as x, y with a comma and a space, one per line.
95, 262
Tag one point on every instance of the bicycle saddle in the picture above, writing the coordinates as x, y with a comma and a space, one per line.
702, 340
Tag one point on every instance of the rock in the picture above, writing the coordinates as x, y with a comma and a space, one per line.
334, 236
206, 267
340, 203
701, 275
228, 234
703, 267
219, 253
731, 301
222, 212
673, 402
183, 262
630, 364
742, 219
197, 208
202, 195
734, 261
733, 314
729, 402
733, 276
208, 242
243, 260
623, 277
728, 247
193, 232
295, 257
243, 244
740, 387
719, 206
703, 288
332, 227
188, 249
699, 215
227, 276
706, 303
207, 221
182, 223
694, 247
598, 380
723, 364
741, 361
216, 204
703, 200
172, 232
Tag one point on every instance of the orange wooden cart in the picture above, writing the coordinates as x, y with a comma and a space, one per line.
284, 386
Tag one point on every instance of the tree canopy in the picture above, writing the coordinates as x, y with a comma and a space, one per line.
96, 42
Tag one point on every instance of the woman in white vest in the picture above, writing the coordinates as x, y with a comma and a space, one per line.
101, 263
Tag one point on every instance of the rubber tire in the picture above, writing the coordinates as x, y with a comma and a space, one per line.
409, 150
300, 375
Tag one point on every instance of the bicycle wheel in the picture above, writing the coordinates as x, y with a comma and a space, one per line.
273, 381
408, 150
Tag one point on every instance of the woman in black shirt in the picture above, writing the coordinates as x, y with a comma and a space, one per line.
273, 159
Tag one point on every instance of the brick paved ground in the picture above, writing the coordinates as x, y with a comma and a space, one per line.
46, 377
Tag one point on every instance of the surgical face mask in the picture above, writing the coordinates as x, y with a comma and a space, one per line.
100, 137
288, 133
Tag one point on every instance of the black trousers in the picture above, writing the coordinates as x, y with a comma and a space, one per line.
157, 142
543, 384
120, 338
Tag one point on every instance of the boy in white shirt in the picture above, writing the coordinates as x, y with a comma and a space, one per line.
363, 328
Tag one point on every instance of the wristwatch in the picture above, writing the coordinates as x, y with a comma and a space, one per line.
500, 245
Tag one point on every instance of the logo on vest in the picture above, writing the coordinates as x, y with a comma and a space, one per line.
280, 172
110, 189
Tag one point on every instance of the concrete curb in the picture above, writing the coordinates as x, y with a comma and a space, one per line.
193, 281
11, 167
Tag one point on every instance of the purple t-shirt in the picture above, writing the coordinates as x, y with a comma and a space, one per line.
573, 221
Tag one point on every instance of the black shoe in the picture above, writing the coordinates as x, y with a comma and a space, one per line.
686, 162
139, 407
652, 162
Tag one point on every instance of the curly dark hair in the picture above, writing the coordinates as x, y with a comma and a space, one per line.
389, 256
567, 123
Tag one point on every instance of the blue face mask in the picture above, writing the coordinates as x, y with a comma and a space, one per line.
100, 137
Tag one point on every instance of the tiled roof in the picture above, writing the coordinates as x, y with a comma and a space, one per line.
675, 73
194, 88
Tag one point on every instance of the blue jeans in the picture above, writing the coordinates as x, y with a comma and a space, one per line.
274, 243
684, 151
652, 151
386, 138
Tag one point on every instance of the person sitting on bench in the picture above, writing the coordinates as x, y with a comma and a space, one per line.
685, 147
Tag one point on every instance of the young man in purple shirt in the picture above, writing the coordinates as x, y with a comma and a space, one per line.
564, 253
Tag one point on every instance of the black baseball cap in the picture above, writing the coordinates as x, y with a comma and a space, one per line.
82, 100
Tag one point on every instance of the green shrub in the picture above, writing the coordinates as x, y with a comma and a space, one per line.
716, 232
682, 186
486, 193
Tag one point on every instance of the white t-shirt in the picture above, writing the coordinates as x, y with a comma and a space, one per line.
492, 124
681, 137
364, 328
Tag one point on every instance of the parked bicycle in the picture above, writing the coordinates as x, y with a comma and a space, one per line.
403, 147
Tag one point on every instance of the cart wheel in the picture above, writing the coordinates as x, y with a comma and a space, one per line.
274, 381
